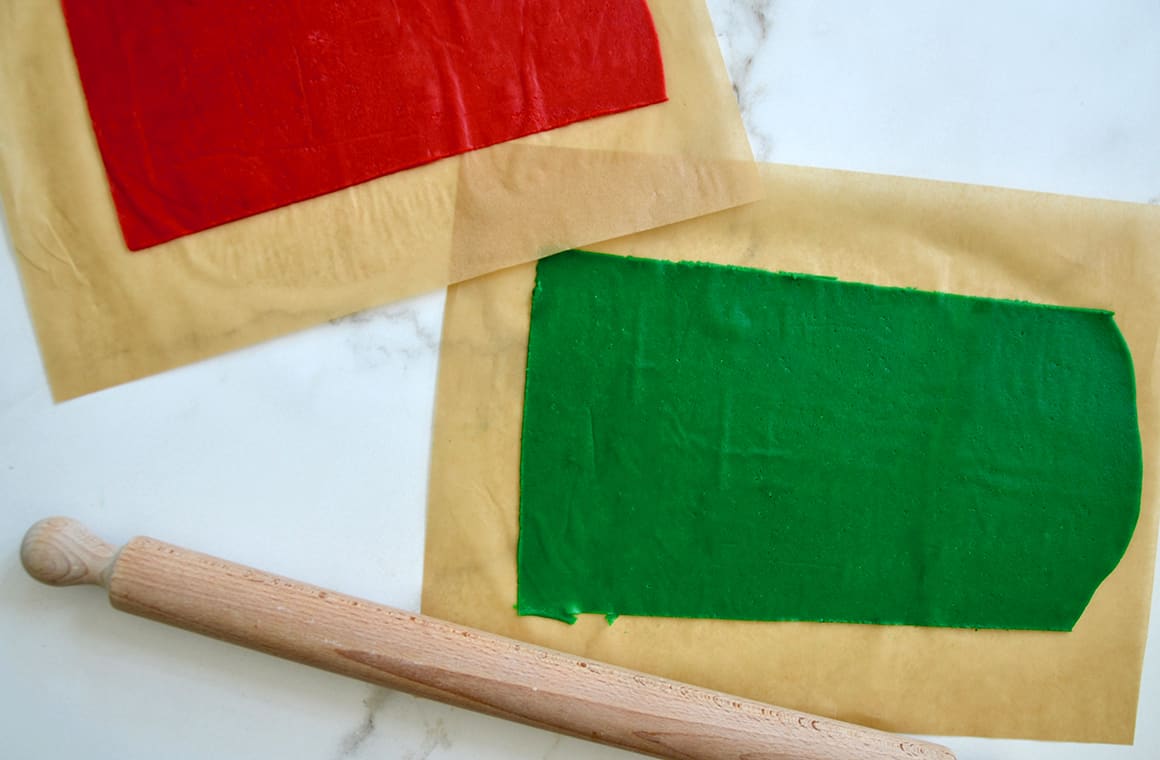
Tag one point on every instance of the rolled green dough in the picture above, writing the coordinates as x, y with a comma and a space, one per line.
711, 441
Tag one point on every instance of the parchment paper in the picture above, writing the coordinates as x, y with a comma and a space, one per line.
1078, 686
104, 316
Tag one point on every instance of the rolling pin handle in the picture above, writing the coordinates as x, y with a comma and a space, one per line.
60, 551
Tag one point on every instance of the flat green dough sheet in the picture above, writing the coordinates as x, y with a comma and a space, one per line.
711, 441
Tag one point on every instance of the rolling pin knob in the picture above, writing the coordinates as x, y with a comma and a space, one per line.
60, 551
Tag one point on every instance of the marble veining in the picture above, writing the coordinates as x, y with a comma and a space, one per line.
374, 702
743, 31
550, 752
367, 738
404, 331
943, 90
436, 737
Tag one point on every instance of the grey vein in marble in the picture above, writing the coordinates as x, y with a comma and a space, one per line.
743, 29
435, 734
374, 703
408, 331
435, 738
555, 745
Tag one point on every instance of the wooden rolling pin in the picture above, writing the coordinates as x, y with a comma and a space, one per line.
438, 660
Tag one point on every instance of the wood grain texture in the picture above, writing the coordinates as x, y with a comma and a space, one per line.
473, 669
60, 551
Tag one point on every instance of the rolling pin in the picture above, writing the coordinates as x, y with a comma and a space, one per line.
439, 660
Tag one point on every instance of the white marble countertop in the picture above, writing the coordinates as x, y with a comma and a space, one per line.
307, 456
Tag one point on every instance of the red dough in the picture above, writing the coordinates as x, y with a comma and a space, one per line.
207, 111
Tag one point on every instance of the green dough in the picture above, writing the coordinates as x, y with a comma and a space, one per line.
711, 441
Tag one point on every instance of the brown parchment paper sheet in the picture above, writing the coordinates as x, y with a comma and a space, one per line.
105, 316
1078, 686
